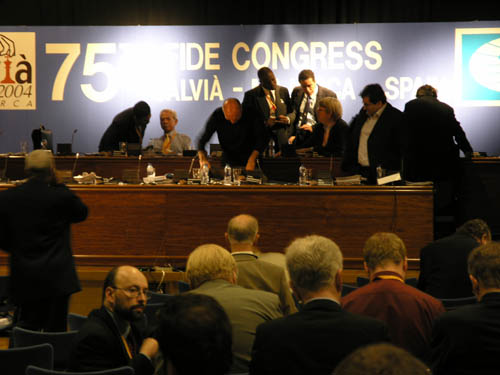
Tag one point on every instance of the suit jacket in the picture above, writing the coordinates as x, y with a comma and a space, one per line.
35, 229
408, 312
246, 308
312, 341
98, 346
122, 129
443, 267
297, 97
337, 139
384, 143
433, 138
254, 273
466, 341
255, 103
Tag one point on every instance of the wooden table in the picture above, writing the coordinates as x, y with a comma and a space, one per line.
156, 225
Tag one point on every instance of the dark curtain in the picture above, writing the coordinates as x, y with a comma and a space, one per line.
235, 12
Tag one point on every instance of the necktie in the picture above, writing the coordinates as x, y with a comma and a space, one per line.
272, 106
166, 144
307, 109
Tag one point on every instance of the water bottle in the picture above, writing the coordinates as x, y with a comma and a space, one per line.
228, 175
270, 148
150, 171
204, 175
302, 175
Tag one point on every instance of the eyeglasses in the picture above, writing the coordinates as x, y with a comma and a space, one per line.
134, 292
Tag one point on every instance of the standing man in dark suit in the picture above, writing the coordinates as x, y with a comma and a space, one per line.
443, 263
111, 336
375, 137
466, 341
35, 222
433, 140
317, 338
305, 102
269, 104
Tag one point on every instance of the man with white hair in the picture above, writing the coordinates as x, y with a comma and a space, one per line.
35, 229
317, 338
211, 270
171, 142
254, 273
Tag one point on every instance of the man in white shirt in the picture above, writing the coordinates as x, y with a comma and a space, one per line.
375, 137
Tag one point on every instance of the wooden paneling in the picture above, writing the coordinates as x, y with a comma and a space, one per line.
155, 225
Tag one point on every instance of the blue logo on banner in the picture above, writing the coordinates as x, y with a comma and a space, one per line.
480, 67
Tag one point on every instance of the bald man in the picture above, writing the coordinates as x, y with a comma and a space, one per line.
111, 336
253, 273
242, 138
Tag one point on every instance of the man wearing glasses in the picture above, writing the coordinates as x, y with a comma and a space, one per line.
111, 336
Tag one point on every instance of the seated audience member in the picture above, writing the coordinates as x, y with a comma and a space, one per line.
467, 340
194, 334
211, 270
330, 134
443, 263
254, 273
381, 359
318, 337
170, 142
127, 126
242, 138
305, 99
408, 312
111, 336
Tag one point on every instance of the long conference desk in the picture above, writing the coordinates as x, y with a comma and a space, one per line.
157, 225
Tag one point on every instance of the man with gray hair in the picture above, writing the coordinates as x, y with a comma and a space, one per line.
317, 338
171, 142
35, 229
211, 270
443, 263
467, 340
408, 312
254, 273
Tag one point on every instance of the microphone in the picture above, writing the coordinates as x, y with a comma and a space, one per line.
139, 168
73, 138
74, 164
191, 166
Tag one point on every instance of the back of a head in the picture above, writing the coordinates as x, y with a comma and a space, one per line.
242, 229
381, 359
475, 228
263, 72
195, 335
313, 262
39, 162
209, 262
426, 90
375, 92
484, 265
382, 248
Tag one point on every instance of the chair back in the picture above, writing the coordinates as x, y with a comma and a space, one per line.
75, 321
61, 342
454, 303
125, 370
14, 361
156, 297
346, 289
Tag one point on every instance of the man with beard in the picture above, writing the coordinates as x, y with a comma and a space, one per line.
111, 336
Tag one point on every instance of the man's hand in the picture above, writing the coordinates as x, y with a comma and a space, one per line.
251, 161
291, 139
306, 127
149, 347
202, 156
